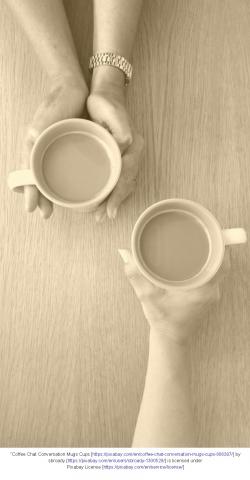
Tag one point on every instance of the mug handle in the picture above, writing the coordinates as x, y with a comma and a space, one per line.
234, 235
19, 178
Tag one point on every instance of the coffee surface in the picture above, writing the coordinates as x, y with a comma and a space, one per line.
76, 167
174, 245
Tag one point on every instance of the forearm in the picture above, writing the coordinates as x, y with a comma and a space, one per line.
166, 418
115, 26
46, 25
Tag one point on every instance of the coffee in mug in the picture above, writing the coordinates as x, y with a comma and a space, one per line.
175, 245
75, 163
76, 167
178, 243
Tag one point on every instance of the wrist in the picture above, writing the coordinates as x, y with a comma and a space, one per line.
108, 78
73, 79
168, 338
164, 351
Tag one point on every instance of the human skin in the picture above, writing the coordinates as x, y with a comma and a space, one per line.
45, 24
165, 417
115, 26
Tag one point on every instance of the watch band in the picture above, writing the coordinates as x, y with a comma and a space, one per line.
113, 60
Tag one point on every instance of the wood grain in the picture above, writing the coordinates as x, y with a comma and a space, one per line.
73, 340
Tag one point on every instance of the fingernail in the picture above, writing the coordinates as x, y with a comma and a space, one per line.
29, 208
99, 218
114, 213
32, 135
124, 254
43, 214
46, 215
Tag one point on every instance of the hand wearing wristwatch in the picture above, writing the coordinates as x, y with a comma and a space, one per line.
113, 60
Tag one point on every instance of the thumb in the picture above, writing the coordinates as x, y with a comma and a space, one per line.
141, 285
32, 134
119, 126
30, 138
41, 121
127, 181
46, 114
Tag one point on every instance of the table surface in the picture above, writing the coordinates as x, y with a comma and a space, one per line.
74, 342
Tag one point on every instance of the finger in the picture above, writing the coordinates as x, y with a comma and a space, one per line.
222, 272
50, 111
211, 292
208, 293
31, 198
112, 116
213, 287
43, 118
100, 213
128, 178
123, 189
143, 288
33, 132
30, 138
226, 265
120, 128
45, 206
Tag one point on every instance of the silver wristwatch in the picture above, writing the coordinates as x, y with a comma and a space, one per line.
113, 60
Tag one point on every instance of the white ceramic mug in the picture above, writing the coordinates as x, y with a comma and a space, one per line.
35, 176
217, 236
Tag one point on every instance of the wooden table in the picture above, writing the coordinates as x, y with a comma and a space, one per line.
73, 341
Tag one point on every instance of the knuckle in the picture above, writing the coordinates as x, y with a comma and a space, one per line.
126, 188
132, 276
131, 271
92, 102
148, 295
143, 297
148, 291
130, 172
126, 140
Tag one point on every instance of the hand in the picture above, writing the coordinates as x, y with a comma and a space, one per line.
106, 106
174, 313
66, 99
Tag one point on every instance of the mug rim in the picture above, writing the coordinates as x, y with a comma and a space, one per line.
192, 282
74, 122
